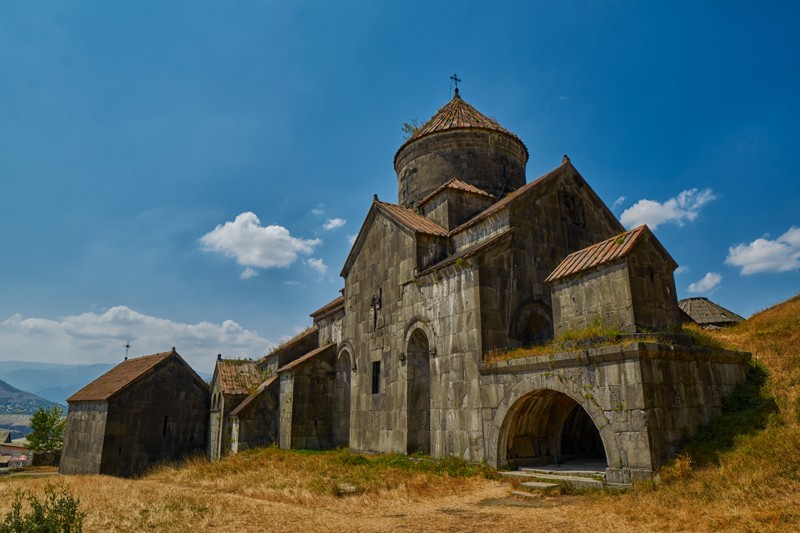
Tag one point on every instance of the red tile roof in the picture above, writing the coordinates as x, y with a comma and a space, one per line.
238, 376
307, 357
411, 219
119, 377
247, 401
469, 251
511, 197
458, 114
457, 185
598, 254
328, 307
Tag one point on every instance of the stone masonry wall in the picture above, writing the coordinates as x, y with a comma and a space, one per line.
493, 162
644, 398
600, 296
83, 438
162, 416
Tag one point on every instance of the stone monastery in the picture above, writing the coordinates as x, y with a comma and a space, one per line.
474, 258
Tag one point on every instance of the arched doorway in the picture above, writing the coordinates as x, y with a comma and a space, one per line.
341, 400
532, 324
419, 393
549, 427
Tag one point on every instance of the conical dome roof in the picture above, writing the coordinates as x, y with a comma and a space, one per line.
459, 142
458, 114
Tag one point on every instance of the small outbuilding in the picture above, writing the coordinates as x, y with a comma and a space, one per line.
143, 411
625, 281
708, 314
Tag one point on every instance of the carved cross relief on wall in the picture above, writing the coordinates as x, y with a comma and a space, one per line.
375, 305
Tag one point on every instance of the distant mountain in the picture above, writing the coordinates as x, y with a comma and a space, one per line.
53, 381
16, 401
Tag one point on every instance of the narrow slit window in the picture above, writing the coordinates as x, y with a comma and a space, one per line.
376, 377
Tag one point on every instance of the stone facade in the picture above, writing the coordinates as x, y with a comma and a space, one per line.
144, 411
624, 282
463, 265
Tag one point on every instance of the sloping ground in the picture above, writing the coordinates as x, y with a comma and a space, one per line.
742, 473
16, 401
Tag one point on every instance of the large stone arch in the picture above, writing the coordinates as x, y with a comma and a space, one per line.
517, 399
342, 396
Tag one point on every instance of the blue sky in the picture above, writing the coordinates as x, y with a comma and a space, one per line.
191, 174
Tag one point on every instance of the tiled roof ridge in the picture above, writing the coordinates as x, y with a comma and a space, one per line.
253, 395
598, 254
306, 357
411, 219
469, 251
510, 198
456, 184
704, 311
328, 307
119, 377
238, 377
309, 330
458, 114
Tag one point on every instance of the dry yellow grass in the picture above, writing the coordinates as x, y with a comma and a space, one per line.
750, 484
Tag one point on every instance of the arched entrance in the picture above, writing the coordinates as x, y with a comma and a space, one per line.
419, 393
549, 427
341, 400
532, 324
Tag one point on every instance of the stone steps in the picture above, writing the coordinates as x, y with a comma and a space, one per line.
547, 478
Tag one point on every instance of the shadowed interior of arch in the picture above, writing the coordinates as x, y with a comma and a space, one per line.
548, 427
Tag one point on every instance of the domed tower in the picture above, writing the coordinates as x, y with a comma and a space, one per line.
459, 143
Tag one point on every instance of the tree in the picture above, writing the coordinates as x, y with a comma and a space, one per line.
48, 430
410, 128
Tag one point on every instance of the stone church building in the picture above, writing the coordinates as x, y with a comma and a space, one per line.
471, 258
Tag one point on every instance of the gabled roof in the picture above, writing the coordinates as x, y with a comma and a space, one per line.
238, 376
603, 252
410, 219
247, 401
470, 251
457, 185
457, 114
307, 357
297, 338
5, 436
405, 218
704, 311
119, 377
328, 308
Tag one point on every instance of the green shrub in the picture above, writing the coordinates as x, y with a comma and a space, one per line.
57, 513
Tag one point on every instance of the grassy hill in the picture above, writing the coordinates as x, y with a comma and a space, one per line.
740, 473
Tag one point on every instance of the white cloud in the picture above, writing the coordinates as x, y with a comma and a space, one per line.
681, 269
318, 265
709, 282
333, 223
618, 202
100, 338
249, 273
352, 239
765, 255
253, 245
682, 208
319, 210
